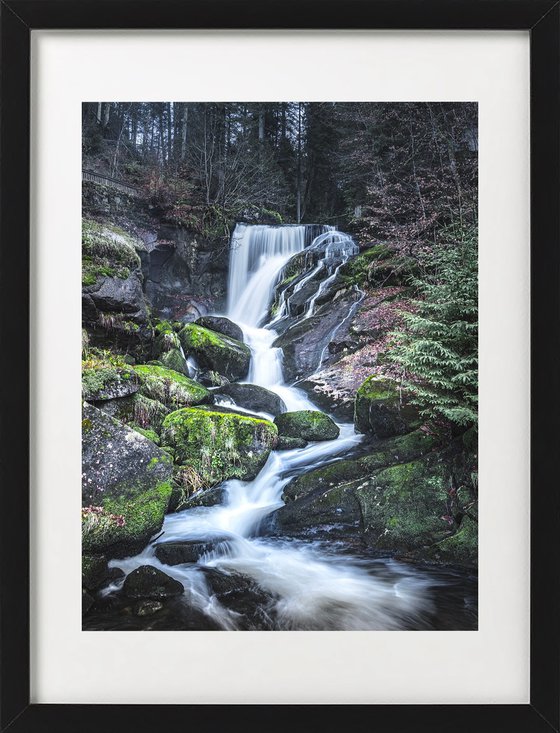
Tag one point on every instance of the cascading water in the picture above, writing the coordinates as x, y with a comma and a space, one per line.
313, 588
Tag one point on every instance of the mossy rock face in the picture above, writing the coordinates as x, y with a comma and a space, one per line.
174, 359
125, 486
108, 383
219, 446
107, 251
401, 509
137, 411
166, 340
387, 452
460, 548
378, 409
307, 424
216, 352
169, 387
402, 506
221, 325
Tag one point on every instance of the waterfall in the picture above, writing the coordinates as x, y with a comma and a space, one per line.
257, 256
314, 590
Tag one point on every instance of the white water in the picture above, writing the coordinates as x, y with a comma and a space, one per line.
314, 588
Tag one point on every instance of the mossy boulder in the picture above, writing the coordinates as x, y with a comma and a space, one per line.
169, 387
125, 486
378, 409
306, 424
216, 352
166, 338
137, 411
403, 509
222, 325
108, 382
255, 398
386, 452
218, 445
95, 571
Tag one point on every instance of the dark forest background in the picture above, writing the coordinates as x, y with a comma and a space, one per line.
387, 171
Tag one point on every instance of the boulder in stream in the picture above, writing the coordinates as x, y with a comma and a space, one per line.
169, 387
222, 325
219, 445
186, 551
216, 352
149, 582
254, 398
307, 424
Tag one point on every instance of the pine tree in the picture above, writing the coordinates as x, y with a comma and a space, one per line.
438, 346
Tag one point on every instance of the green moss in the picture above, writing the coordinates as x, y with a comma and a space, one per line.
169, 387
216, 351
143, 517
218, 445
461, 548
147, 433
198, 337
377, 388
107, 381
307, 424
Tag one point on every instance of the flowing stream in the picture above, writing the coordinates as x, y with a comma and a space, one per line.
314, 584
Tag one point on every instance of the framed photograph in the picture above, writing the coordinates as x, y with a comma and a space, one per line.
280, 292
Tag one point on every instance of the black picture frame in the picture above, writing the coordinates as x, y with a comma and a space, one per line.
541, 18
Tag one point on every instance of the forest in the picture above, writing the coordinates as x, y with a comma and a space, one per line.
279, 365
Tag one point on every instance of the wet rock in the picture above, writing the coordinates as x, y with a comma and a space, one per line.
174, 359
307, 424
323, 393
208, 497
137, 411
305, 342
216, 352
222, 325
125, 486
150, 583
219, 445
212, 379
285, 443
186, 551
379, 409
241, 594
255, 398
147, 608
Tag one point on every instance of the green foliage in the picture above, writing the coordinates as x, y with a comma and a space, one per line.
438, 346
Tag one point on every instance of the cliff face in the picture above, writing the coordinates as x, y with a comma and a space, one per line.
182, 275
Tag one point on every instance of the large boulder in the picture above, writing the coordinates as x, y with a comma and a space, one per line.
222, 325
169, 387
239, 593
255, 398
404, 509
306, 424
379, 409
216, 352
106, 382
218, 445
150, 583
125, 486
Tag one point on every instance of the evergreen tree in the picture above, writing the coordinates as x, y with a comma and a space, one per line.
438, 347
